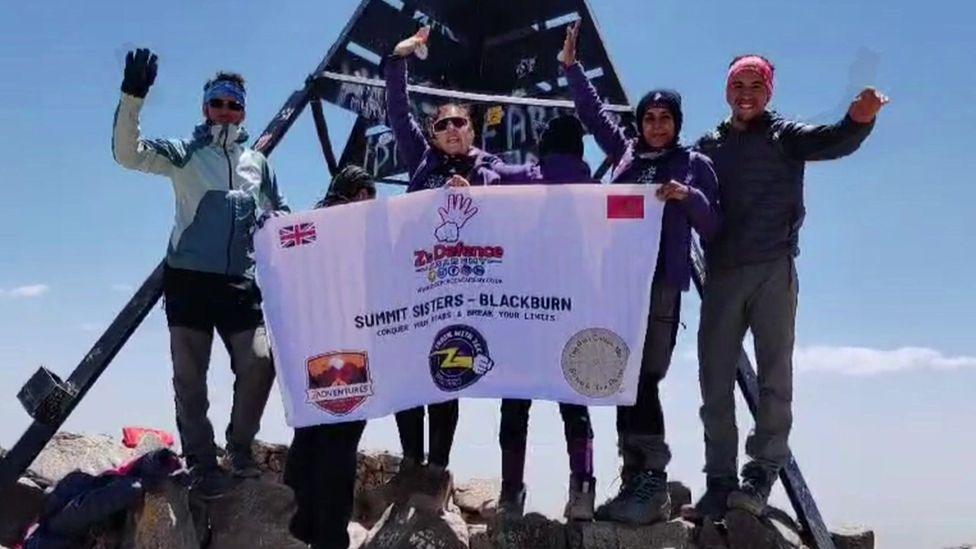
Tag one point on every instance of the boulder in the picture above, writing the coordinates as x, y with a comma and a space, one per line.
675, 534
415, 525
746, 531
477, 499
93, 454
254, 514
680, 496
853, 537
710, 536
164, 521
532, 530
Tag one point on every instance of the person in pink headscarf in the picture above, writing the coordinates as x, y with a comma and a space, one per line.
751, 281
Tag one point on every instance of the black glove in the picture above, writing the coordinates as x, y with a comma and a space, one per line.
140, 72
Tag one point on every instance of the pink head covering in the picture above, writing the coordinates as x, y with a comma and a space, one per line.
755, 64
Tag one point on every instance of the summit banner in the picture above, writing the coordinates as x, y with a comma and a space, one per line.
535, 291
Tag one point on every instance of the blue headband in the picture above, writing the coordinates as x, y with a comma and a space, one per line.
225, 89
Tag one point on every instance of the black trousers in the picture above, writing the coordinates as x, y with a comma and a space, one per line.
443, 424
321, 470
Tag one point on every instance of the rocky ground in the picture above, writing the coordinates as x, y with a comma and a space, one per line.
255, 514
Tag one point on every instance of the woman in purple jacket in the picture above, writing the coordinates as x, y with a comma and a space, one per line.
448, 159
560, 162
688, 185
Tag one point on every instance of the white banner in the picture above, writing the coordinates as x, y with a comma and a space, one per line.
536, 292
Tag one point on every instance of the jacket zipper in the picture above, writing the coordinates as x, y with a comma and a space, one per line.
230, 187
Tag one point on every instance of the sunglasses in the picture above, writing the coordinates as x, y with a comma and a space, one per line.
459, 122
225, 104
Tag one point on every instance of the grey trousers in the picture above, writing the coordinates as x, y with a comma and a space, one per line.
250, 361
762, 298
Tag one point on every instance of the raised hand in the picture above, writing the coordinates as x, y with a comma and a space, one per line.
411, 45
140, 72
568, 54
457, 212
867, 104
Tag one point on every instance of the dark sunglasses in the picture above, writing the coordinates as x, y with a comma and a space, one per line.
458, 122
225, 103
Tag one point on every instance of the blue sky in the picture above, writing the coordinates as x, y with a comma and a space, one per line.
886, 361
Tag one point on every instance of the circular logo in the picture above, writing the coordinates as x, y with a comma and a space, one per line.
478, 270
593, 362
456, 356
442, 272
454, 270
466, 270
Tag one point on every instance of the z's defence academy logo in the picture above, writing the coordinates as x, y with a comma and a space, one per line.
451, 259
458, 358
338, 382
593, 362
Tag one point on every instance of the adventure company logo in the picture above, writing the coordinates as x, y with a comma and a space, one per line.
451, 260
339, 382
458, 358
593, 362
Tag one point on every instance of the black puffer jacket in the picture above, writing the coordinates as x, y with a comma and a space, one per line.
760, 183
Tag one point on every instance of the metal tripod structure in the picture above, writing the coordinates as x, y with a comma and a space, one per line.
503, 62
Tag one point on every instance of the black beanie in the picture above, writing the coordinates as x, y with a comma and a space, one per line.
563, 134
664, 99
346, 184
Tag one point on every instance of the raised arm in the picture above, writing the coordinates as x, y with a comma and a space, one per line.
410, 139
827, 142
589, 107
129, 149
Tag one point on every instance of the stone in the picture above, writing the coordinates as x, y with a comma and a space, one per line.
68, 452
710, 536
532, 530
20, 504
477, 499
164, 521
413, 525
746, 531
680, 496
675, 534
853, 537
254, 514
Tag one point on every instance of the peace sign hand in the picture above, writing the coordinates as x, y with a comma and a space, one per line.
568, 54
867, 104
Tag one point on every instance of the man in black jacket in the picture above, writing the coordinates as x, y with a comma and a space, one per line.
751, 280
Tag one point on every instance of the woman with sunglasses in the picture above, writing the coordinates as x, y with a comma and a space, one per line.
687, 184
447, 159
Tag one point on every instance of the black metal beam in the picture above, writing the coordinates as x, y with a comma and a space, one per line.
84, 376
322, 130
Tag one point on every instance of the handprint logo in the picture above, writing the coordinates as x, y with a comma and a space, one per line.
454, 215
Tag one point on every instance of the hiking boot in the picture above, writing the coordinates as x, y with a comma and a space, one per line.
209, 482
757, 482
582, 498
714, 502
643, 499
511, 501
242, 465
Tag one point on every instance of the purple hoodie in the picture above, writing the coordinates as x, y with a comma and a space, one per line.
429, 168
634, 162
553, 168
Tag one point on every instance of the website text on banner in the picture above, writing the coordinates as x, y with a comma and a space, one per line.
519, 292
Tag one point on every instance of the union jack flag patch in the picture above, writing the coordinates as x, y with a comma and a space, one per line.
297, 235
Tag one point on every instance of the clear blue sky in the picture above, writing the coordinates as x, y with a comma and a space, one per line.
883, 431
